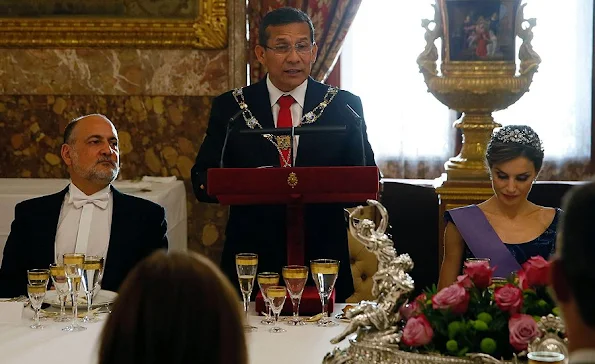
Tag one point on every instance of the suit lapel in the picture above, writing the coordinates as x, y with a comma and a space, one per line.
116, 247
314, 95
257, 97
49, 226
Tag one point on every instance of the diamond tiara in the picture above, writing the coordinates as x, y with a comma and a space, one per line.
520, 134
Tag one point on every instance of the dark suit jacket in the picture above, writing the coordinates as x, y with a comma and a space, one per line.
138, 228
261, 229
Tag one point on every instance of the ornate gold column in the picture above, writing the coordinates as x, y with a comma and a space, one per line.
475, 80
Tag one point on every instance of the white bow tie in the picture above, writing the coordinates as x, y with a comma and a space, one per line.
99, 201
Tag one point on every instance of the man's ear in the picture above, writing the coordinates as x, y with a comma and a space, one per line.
259, 52
65, 153
314, 53
559, 281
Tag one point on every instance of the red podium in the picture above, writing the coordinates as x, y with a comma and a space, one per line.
294, 187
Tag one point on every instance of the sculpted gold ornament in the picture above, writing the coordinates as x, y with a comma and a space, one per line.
142, 25
480, 81
283, 141
292, 180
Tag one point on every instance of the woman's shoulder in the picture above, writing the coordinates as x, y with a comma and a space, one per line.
549, 216
448, 213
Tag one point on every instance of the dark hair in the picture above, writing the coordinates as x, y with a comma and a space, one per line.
576, 248
68, 138
174, 308
514, 141
282, 16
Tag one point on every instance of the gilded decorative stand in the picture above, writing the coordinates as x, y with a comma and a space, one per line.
478, 76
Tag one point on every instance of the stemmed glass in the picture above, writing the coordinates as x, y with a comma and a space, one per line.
92, 275
61, 284
266, 280
295, 277
324, 273
276, 295
38, 276
36, 292
73, 268
246, 266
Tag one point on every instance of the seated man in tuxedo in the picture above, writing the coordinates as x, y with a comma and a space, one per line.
573, 276
89, 216
286, 97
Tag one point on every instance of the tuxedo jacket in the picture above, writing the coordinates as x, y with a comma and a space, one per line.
261, 229
138, 228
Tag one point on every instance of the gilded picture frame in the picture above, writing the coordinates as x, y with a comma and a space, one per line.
199, 24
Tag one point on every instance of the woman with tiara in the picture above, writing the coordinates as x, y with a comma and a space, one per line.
506, 228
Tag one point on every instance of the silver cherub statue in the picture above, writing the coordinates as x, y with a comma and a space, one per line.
377, 320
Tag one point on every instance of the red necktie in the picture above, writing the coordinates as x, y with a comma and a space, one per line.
284, 121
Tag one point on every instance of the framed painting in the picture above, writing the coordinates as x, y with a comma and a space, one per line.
481, 30
200, 24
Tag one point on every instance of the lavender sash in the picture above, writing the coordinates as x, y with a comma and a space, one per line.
482, 239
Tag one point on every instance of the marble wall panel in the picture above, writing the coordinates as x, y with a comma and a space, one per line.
96, 71
159, 136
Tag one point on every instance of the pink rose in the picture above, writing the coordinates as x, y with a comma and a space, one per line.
417, 331
465, 281
479, 272
414, 308
537, 271
509, 298
454, 297
523, 329
409, 310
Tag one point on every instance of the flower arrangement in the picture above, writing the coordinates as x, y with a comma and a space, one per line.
478, 314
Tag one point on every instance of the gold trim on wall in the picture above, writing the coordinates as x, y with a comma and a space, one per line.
207, 31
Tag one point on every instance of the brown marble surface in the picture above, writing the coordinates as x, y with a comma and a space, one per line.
113, 72
159, 136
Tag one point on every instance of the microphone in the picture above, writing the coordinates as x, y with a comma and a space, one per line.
228, 129
359, 121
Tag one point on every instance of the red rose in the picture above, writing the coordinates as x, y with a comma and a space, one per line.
522, 279
537, 271
417, 331
523, 329
465, 281
509, 298
454, 297
479, 272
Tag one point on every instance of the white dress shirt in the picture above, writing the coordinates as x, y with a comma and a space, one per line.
297, 109
68, 225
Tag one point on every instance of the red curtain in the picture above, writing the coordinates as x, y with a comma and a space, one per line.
331, 18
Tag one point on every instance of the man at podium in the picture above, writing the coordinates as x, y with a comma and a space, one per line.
286, 97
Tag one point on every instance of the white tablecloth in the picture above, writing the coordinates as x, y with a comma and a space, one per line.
21, 345
172, 196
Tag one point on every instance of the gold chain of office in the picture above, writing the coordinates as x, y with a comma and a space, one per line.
282, 142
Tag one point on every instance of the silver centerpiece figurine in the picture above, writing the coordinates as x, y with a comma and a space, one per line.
376, 323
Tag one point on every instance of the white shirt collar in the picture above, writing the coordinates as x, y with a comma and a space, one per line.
582, 356
75, 191
298, 93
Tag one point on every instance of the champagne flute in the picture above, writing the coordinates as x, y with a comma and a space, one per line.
92, 275
246, 266
324, 273
36, 292
295, 277
266, 280
73, 268
61, 284
276, 296
38, 276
